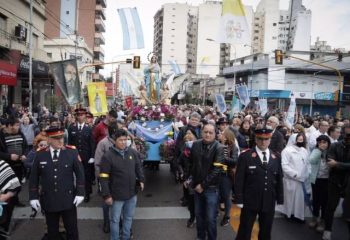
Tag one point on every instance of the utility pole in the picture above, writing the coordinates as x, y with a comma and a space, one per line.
30, 57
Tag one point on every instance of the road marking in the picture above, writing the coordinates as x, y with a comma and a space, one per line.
235, 214
95, 213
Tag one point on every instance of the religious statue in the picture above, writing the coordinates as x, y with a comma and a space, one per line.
164, 95
143, 96
152, 80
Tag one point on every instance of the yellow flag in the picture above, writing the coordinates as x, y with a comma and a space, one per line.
97, 98
233, 25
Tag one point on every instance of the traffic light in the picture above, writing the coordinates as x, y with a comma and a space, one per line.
137, 62
278, 57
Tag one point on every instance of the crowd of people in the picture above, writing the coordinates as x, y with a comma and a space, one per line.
257, 162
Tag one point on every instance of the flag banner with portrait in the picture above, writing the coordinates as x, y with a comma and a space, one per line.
220, 102
235, 107
132, 28
65, 74
97, 98
263, 106
233, 27
291, 112
242, 91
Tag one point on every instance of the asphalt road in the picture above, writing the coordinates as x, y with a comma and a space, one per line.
159, 215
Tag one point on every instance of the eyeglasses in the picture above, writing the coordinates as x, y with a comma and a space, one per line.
42, 145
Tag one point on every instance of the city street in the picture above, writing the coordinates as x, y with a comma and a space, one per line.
159, 216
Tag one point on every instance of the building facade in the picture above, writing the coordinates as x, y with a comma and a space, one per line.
83, 23
14, 51
311, 84
281, 29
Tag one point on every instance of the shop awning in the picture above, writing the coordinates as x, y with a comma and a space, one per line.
8, 74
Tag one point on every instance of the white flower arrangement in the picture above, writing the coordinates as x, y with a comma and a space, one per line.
157, 129
161, 125
144, 124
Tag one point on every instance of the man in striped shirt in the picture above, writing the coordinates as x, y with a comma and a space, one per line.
9, 187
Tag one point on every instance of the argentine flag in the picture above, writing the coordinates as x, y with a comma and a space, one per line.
233, 24
132, 29
175, 67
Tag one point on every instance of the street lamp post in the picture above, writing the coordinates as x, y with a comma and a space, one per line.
252, 72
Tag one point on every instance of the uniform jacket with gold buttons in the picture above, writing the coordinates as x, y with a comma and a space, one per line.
257, 187
55, 179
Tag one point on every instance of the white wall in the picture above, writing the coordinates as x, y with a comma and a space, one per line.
174, 35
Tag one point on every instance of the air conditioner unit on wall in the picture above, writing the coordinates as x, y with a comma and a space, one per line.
21, 32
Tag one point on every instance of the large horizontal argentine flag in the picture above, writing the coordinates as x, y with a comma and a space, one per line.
132, 29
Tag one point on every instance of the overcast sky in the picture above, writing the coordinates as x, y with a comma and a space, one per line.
330, 21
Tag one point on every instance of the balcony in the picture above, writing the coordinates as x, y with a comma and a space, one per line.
99, 50
101, 2
101, 11
100, 37
99, 24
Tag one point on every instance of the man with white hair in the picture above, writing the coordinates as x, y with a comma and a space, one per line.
324, 125
277, 141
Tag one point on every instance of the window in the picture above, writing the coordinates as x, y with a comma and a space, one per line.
274, 38
67, 12
274, 24
35, 41
49, 55
2, 22
256, 31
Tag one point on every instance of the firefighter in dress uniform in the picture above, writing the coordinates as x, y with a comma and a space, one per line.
80, 135
258, 186
53, 172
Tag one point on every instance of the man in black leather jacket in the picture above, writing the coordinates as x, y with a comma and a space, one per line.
338, 158
207, 165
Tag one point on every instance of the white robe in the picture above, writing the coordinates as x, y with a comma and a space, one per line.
296, 169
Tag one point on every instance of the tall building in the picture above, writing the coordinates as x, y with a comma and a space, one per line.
14, 51
188, 35
170, 35
281, 29
83, 23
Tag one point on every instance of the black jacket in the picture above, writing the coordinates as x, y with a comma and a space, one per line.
256, 187
207, 161
83, 141
277, 142
339, 175
56, 179
118, 174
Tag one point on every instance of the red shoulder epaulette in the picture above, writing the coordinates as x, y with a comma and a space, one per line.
70, 146
41, 149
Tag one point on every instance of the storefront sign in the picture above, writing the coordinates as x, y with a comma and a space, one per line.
274, 94
324, 96
8, 74
39, 68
